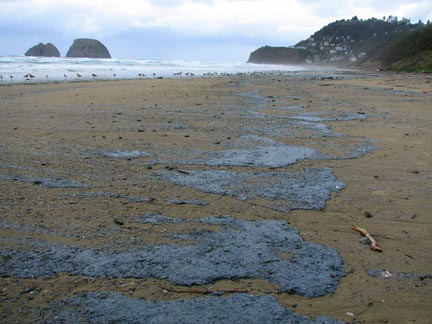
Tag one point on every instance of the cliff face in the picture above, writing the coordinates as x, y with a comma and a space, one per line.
91, 48
46, 50
278, 55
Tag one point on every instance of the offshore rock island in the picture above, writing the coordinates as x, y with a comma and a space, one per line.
43, 50
81, 48
90, 48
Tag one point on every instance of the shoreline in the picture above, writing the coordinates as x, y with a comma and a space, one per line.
123, 70
325, 74
152, 148
21, 69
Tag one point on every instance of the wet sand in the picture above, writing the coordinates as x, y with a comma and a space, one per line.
101, 171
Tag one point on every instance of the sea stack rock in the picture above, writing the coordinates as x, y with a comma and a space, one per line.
46, 50
278, 55
91, 48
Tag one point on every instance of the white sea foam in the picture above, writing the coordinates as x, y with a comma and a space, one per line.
67, 69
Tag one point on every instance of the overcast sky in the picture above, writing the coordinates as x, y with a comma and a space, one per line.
184, 29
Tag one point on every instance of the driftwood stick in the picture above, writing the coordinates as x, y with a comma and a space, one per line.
203, 292
373, 245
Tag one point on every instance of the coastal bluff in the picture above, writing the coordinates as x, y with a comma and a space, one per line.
44, 50
278, 55
387, 43
91, 48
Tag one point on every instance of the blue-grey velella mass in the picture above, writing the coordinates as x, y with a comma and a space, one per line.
241, 249
284, 191
113, 307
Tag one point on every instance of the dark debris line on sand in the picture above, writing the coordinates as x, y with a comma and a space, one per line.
398, 275
108, 194
45, 182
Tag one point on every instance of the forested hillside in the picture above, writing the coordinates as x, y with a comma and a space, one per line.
357, 40
387, 43
413, 53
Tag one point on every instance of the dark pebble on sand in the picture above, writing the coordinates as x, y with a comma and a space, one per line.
118, 221
368, 214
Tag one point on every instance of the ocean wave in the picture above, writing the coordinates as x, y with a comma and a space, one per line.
15, 68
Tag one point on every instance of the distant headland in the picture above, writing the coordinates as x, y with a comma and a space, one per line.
386, 43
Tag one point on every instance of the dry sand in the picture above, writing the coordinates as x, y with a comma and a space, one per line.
67, 131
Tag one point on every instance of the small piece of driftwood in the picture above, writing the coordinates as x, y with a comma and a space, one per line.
203, 291
373, 245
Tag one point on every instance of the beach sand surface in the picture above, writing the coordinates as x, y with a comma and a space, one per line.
80, 161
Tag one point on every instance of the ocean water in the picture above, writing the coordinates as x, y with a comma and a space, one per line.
16, 69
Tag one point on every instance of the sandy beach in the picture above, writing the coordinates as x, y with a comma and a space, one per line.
230, 194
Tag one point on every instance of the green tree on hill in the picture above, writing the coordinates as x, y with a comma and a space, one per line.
412, 53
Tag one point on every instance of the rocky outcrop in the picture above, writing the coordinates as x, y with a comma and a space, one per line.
278, 55
46, 50
91, 48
